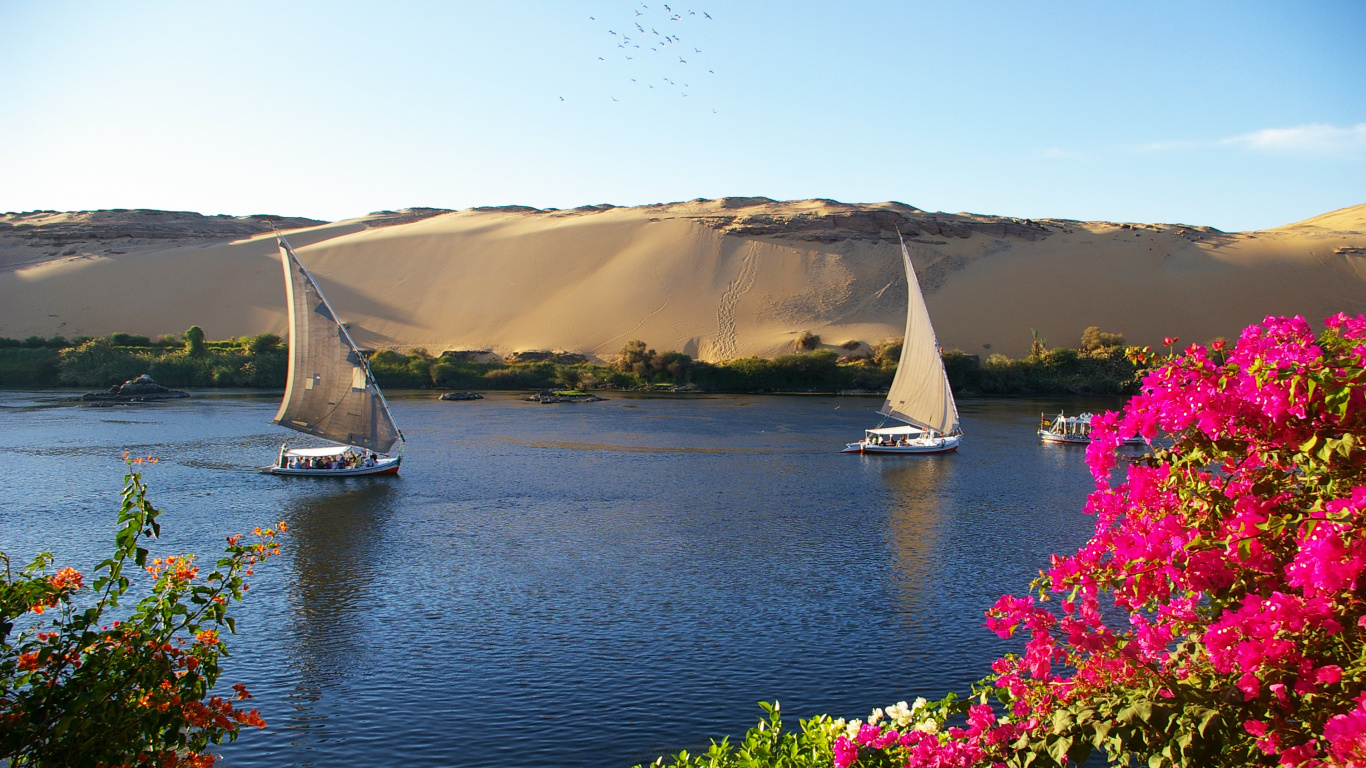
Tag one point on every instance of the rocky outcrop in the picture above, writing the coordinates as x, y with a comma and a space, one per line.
833, 222
462, 396
54, 229
142, 389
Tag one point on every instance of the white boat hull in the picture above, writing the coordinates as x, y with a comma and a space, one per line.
944, 444
1052, 437
385, 466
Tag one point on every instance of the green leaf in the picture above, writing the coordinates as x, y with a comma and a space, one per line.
1079, 752
1058, 749
1204, 718
1101, 731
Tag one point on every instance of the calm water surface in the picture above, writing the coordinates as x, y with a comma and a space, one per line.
574, 584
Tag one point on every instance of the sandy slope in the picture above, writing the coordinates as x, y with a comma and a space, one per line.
716, 279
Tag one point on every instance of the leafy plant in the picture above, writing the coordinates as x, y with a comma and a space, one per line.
80, 688
194, 341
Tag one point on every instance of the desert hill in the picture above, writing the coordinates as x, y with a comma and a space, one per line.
714, 278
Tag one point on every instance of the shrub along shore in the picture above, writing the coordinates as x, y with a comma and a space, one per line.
1102, 365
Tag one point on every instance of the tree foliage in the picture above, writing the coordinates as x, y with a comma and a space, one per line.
1093, 339
194, 341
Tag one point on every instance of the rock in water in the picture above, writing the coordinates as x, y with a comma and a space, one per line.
142, 389
462, 396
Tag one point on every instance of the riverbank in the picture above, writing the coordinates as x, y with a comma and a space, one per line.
261, 362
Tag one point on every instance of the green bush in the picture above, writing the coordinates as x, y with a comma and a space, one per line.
194, 341
129, 340
261, 344
98, 363
25, 367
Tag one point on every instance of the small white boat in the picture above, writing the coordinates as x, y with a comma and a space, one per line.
904, 439
329, 392
338, 461
1073, 430
920, 394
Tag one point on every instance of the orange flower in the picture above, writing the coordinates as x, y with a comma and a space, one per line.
28, 661
207, 637
67, 577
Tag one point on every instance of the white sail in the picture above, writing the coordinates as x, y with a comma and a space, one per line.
330, 391
920, 392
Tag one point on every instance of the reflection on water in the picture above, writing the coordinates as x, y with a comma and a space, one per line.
914, 518
629, 588
332, 532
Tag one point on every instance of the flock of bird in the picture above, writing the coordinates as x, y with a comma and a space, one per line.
641, 42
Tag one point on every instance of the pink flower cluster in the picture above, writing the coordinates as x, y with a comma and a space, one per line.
961, 747
1224, 568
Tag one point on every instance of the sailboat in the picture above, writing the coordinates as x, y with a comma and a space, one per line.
920, 395
330, 392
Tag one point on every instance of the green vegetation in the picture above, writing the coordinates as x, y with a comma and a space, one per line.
252, 361
1101, 366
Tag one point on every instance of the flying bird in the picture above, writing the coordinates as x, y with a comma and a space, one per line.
708, 15
711, 71
695, 50
610, 32
667, 8
601, 59
681, 60
642, 29
652, 29
614, 98
561, 98
590, 18
638, 13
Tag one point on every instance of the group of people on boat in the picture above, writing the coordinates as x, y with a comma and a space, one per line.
344, 461
888, 440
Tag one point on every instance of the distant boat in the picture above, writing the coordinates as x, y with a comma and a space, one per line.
920, 395
1074, 430
330, 392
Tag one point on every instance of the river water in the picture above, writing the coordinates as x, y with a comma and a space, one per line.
572, 584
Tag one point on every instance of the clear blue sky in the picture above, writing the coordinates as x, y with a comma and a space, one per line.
1239, 115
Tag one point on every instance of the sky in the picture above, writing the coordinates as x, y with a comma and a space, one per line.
1237, 115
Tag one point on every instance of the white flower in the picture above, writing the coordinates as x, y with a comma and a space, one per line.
900, 714
835, 726
851, 728
876, 716
928, 725
919, 703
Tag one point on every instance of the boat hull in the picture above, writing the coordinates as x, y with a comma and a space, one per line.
934, 445
382, 467
1050, 437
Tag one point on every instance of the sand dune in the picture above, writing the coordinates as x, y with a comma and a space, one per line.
717, 279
